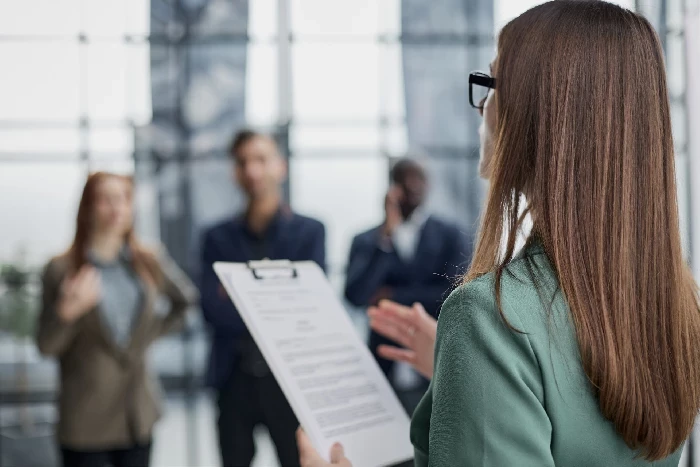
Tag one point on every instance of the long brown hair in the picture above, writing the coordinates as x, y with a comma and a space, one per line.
143, 260
584, 132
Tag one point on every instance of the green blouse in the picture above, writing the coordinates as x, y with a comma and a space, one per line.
502, 398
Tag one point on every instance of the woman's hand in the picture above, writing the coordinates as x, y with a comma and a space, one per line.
411, 327
308, 457
80, 294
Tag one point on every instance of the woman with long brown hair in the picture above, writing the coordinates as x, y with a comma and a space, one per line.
98, 319
582, 349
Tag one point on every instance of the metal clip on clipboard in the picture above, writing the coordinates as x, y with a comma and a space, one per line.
272, 269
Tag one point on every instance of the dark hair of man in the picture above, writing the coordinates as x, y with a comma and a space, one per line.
402, 166
240, 139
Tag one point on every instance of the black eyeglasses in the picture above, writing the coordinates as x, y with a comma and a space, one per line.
478, 94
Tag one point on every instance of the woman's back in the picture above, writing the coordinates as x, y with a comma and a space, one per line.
577, 114
500, 397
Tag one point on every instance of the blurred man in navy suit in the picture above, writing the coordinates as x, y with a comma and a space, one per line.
412, 257
248, 394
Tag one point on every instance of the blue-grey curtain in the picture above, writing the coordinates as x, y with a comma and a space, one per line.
442, 41
198, 70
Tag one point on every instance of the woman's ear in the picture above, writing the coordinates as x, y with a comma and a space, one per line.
491, 111
487, 136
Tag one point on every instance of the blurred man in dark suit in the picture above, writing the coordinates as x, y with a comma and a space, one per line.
412, 257
248, 394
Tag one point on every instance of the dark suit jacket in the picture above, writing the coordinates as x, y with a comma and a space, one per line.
442, 255
290, 236
108, 398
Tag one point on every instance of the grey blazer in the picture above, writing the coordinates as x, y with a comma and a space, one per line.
108, 398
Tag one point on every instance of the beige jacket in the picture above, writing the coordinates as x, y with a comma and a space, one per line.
108, 397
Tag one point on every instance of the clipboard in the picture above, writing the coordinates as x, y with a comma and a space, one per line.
326, 371
267, 268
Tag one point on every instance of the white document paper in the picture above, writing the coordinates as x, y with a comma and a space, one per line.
327, 373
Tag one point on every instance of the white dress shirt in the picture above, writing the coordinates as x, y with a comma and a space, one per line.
405, 239
407, 235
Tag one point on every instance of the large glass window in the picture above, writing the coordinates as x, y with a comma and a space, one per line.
75, 86
347, 115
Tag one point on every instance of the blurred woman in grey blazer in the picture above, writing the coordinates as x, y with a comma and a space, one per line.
98, 319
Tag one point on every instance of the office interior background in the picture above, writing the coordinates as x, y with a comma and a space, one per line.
156, 89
